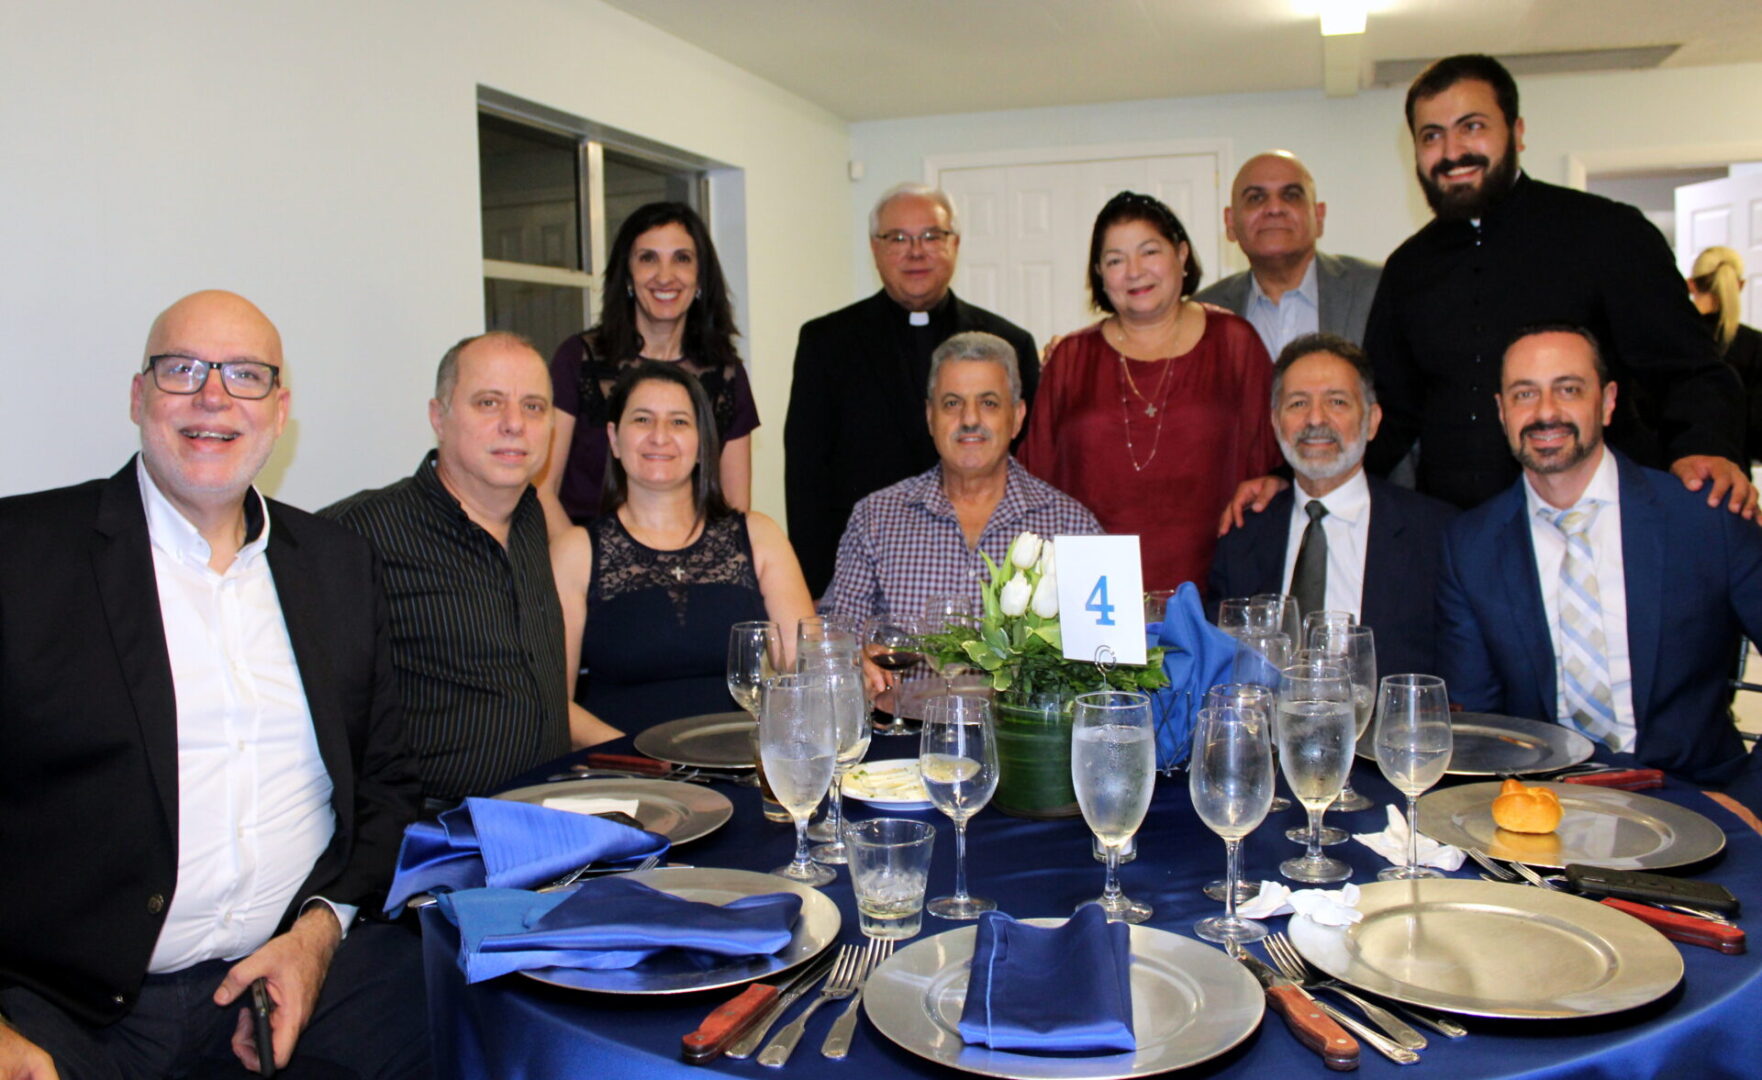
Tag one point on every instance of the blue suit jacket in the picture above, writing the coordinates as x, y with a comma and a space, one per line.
1694, 581
1400, 565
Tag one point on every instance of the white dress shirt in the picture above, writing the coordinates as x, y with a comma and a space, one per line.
253, 795
1280, 322
1347, 527
1605, 540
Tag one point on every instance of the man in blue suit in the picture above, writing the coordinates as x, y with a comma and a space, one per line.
1595, 592
1368, 547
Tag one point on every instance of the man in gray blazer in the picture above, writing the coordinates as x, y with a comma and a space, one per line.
1290, 289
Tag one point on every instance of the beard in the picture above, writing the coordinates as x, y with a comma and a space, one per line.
1562, 459
1466, 203
1350, 452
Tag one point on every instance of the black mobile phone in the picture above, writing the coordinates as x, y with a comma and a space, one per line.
1654, 888
261, 1006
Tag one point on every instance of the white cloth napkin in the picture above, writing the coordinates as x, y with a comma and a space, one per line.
1329, 907
1391, 844
586, 804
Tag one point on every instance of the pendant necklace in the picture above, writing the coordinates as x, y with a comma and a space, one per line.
1157, 408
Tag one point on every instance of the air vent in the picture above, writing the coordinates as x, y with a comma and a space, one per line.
1402, 72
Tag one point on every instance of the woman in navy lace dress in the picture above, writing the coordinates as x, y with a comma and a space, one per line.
651, 586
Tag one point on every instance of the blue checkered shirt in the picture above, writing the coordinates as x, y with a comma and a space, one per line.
904, 543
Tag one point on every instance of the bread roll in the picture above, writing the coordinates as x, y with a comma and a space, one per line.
1523, 809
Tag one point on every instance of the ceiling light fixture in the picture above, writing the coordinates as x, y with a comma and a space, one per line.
1340, 17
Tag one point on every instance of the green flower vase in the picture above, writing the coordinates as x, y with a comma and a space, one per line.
1034, 757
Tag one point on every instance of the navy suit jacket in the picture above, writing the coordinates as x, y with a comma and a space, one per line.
1400, 565
88, 733
1694, 582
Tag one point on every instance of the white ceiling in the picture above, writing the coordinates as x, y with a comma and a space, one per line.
874, 59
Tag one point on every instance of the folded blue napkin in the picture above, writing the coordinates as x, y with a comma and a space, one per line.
1198, 657
606, 924
1051, 989
508, 844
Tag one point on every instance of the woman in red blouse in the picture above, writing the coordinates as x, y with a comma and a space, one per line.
1152, 416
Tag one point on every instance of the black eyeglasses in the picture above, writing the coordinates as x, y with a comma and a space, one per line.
251, 380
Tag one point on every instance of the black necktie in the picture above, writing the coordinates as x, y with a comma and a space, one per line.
1309, 578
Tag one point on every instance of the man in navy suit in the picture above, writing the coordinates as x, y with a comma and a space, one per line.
1595, 592
1368, 547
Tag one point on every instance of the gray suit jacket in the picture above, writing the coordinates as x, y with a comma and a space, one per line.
1344, 288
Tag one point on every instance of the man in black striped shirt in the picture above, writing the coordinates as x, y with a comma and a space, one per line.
477, 631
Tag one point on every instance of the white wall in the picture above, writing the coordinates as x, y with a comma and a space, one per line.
321, 158
1357, 147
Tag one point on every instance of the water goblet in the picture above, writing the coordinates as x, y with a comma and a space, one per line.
1354, 648
844, 680
1314, 727
957, 757
1413, 750
1231, 783
1247, 696
798, 743
1113, 768
1314, 619
1232, 615
1261, 657
1278, 611
755, 653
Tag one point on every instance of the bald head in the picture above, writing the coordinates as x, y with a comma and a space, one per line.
1273, 212
224, 321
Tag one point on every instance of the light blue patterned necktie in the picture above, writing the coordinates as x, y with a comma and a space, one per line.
1587, 703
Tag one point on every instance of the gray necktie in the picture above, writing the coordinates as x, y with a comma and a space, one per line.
1309, 578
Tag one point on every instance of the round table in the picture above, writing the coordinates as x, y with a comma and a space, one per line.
512, 1027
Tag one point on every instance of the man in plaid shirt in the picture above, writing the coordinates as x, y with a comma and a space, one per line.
921, 537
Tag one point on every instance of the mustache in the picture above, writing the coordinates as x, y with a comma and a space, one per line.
972, 429
1447, 164
1542, 427
1319, 431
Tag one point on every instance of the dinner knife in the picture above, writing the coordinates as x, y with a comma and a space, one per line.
1688, 929
1624, 779
1303, 1015
732, 1018
744, 1045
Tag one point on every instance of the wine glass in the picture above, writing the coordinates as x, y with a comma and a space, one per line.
1314, 728
957, 755
850, 712
1113, 767
1315, 619
942, 609
1278, 611
753, 657
1261, 657
891, 644
819, 636
798, 743
1353, 648
1247, 696
1413, 750
1231, 782
1232, 615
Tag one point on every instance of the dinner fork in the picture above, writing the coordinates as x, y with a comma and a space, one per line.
837, 1043
839, 986
1499, 873
1292, 965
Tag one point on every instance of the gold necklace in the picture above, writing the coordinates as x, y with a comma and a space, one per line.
1150, 407
1149, 410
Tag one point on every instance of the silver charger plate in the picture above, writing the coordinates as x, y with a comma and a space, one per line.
1487, 744
1622, 830
710, 741
1490, 949
1190, 1003
680, 812
816, 928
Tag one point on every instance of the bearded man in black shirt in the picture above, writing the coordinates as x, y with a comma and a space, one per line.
1506, 251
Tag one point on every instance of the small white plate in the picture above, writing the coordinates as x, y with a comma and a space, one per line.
894, 784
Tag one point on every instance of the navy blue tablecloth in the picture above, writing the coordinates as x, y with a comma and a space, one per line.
512, 1028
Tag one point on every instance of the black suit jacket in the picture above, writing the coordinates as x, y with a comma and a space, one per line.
1400, 569
88, 733
856, 418
1452, 295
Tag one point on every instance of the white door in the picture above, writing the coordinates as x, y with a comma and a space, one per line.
1025, 229
1725, 212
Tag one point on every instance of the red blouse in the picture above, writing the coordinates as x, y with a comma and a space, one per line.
1212, 429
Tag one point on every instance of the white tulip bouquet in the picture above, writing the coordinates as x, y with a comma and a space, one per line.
1017, 642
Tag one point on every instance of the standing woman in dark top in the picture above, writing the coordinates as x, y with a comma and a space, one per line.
664, 298
651, 586
1713, 286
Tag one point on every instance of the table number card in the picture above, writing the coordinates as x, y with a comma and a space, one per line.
1101, 597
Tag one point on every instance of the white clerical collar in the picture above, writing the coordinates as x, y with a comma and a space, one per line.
918, 318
